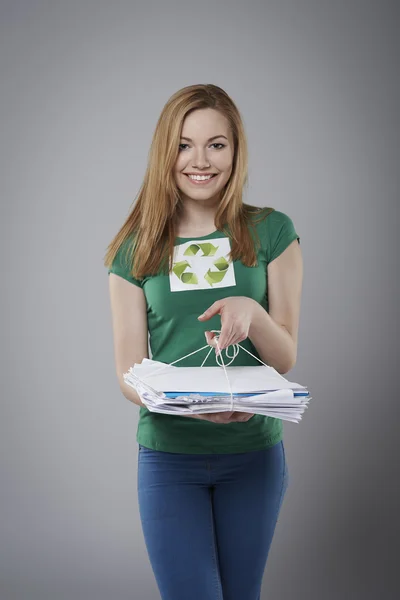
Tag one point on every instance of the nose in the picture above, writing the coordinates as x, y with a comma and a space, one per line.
200, 160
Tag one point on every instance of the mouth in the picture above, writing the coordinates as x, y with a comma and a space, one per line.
201, 181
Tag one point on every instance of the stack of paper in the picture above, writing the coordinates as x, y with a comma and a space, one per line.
260, 389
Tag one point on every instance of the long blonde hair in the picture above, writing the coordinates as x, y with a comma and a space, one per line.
151, 225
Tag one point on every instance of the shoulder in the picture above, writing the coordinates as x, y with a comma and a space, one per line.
275, 229
123, 261
278, 219
257, 215
257, 212
280, 232
123, 255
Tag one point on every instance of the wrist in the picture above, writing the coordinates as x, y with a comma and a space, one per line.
256, 312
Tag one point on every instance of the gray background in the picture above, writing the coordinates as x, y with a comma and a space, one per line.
83, 84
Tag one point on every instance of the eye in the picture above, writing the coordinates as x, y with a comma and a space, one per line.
214, 144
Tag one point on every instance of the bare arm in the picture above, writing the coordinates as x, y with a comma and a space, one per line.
130, 332
275, 334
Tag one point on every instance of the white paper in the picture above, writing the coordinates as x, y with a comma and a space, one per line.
273, 394
213, 379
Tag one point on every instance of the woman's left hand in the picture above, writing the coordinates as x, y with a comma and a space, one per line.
236, 317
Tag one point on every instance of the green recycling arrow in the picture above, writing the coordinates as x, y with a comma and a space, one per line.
217, 276
207, 248
187, 277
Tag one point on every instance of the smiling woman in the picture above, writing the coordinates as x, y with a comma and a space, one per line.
190, 244
203, 163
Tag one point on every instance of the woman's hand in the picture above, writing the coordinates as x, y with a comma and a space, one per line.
223, 417
236, 317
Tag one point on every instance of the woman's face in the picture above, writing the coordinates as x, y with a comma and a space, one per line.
206, 148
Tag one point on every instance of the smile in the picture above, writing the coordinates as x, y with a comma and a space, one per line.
200, 179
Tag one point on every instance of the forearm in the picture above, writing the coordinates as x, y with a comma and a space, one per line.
130, 393
274, 344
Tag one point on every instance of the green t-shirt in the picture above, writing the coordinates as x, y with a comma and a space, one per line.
200, 276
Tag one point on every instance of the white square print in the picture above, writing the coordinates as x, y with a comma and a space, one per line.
201, 265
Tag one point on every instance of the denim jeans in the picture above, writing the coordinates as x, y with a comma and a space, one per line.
208, 520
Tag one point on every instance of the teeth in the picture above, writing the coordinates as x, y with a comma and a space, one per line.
200, 177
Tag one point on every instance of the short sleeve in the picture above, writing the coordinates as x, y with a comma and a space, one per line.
280, 234
121, 266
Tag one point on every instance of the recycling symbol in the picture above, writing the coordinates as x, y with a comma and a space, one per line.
217, 276
179, 269
207, 248
212, 276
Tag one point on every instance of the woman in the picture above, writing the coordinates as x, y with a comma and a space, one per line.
210, 486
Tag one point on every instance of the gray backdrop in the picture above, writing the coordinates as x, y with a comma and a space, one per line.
83, 83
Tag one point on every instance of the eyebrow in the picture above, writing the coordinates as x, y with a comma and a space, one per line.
210, 140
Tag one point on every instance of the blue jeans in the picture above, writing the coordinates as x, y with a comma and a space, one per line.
208, 520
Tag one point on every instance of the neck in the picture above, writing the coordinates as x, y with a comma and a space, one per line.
195, 214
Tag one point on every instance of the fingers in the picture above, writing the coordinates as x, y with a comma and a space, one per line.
221, 417
210, 338
241, 417
226, 417
233, 337
226, 336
